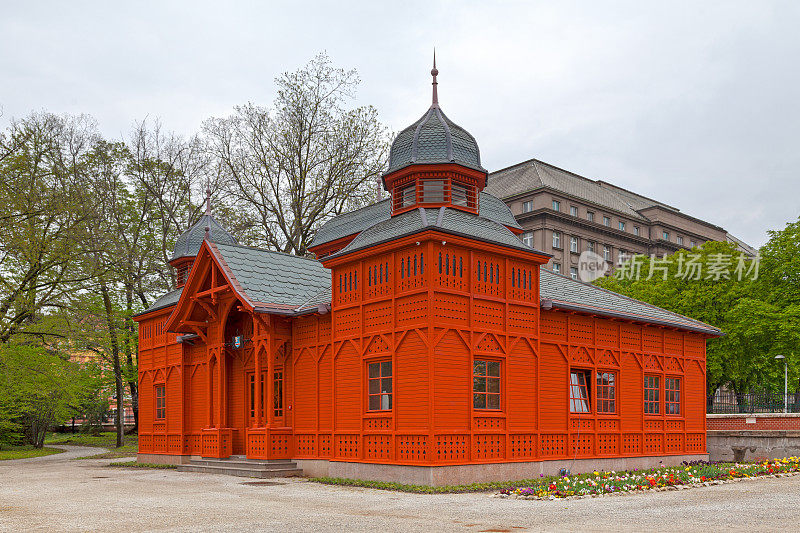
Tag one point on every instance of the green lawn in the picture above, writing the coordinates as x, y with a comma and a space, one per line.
107, 439
23, 452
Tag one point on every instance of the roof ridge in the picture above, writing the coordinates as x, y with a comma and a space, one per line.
275, 252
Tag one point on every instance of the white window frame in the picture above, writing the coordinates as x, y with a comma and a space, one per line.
557, 239
527, 238
573, 244
527, 206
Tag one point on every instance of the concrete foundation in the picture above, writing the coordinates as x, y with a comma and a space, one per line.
162, 459
752, 445
475, 473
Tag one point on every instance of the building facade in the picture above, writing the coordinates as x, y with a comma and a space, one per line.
565, 214
424, 345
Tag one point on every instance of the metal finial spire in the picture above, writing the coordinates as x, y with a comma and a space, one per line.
208, 212
434, 73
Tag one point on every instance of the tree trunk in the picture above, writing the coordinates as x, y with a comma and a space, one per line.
132, 368
118, 381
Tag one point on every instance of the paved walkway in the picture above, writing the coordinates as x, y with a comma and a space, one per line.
56, 493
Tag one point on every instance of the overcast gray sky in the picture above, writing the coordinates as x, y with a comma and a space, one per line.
694, 104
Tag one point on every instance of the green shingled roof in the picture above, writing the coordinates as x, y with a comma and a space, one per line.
357, 221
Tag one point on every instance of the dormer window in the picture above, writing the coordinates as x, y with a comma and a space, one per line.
432, 191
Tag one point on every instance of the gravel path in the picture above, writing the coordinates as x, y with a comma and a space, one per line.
55, 493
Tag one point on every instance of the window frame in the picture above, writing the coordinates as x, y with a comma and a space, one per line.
556, 240
557, 268
649, 401
586, 386
676, 392
607, 221
160, 399
573, 272
590, 216
621, 225
527, 236
487, 377
665, 235
379, 379
636, 230
527, 206
573, 210
608, 253
557, 205
606, 400
574, 244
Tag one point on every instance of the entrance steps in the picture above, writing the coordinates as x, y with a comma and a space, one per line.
243, 467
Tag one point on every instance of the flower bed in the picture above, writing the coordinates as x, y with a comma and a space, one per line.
696, 473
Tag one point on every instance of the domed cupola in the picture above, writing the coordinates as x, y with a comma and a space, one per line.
189, 242
434, 162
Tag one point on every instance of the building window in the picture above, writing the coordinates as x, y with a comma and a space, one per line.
573, 272
161, 402
556, 239
606, 392
607, 221
651, 400
527, 207
183, 274
680, 240
432, 191
405, 196
573, 244
672, 396
573, 210
591, 246
692, 244
380, 385
636, 230
579, 391
557, 268
665, 235
486, 385
621, 226
590, 216
277, 391
607, 253
463, 195
527, 238
556, 205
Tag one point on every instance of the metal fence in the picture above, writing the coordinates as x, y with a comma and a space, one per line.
752, 402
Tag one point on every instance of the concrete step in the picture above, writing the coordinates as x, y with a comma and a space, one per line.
244, 462
233, 470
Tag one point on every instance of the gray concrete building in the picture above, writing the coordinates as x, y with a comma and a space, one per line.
564, 214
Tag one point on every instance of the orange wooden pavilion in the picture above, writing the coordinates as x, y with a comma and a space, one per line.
424, 344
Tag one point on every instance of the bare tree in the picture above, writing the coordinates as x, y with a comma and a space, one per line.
303, 161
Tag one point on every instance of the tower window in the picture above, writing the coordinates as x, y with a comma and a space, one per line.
404, 196
433, 191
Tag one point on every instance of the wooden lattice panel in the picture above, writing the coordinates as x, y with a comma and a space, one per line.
378, 424
412, 447
695, 346
606, 333
488, 314
380, 316
489, 423
651, 340
553, 445
412, 310
521, 283
488, 277
377, 345
452, 269
580, 329
523, 446
554, 325
674, 425
651, 362
305, 445
654, 425
607, 425
582, 445
305, 332
378, 447
607, 358
631, 444
348, 322
580, 355
379, 281
325, 446
582, 424
280, 446
695, 442
347, 446
411, 268
630, 337
450, 309
485, 447
673, 442
522, 319
607, 444
451, 448
653, 443
345, 285
671, 364
489, 344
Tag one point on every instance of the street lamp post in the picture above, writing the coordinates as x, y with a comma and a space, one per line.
785, 383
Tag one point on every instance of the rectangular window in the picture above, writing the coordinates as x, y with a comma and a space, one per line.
486, 385
527, 207
591, 246
621, 226
557, 268
692, 244
161, 402
405, 196
573, 210
672, 396
573, 272
277, 390
590, 216
680, 240
606, 392
556, 239
573, 244
607, 253
651, 396
556, 205
462, 195
579, 391
433, 191
636, 230
665, 235
607, 221
379, 386
527, 238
